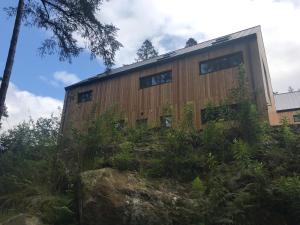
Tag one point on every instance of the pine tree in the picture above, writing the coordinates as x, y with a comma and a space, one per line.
291, 89
146, 51
190, 42
61, 18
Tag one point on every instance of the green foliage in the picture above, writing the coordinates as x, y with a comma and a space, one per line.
246, 115
187, 123
99, 141
125, 158
198, 186
241, 153
146, 51
288, 138
64, 18
286, 197
245, 179
29, 149
31, 172
216, 139
57, 210
190, 42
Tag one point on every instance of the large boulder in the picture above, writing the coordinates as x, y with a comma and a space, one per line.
110, 197
22, 219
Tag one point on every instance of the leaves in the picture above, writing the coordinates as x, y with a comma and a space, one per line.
74, 26
146, 51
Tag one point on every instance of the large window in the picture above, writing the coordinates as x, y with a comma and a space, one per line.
297, 118
161, 78
85, 96
221, 63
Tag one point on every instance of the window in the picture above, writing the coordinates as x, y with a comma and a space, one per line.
85, 96
141, 122
166, 121
221, 63
161, 78
297, 118
120, 124
217, 113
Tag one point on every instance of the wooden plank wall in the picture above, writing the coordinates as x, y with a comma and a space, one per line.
289, 115
186, 86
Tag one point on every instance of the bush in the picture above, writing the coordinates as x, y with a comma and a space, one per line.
197, 186
57, 210
125, 158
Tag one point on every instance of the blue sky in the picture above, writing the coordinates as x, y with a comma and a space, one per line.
29, 67
37, 84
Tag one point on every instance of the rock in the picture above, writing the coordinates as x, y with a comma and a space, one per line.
110, 197
22, 219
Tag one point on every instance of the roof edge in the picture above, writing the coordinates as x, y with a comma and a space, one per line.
106, 75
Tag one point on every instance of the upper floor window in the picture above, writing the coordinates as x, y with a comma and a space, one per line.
296, 118
84, 96
221, 63
152, 80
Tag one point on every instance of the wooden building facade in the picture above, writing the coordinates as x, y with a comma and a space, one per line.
288, 107
199, 74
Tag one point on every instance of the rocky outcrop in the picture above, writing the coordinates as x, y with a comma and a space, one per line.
110, 197
22, 219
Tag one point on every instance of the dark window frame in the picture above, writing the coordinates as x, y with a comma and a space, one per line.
224, 67
296, 118
162, 122
143, 86
82, 99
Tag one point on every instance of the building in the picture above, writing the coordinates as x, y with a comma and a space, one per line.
199, 74
288, 106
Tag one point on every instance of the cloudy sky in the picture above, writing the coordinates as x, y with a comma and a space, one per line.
37, 84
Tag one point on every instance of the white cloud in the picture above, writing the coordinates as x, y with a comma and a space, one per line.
22, 105
61, 79
66, 78
205, 19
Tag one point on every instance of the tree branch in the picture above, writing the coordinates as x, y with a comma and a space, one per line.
44, 4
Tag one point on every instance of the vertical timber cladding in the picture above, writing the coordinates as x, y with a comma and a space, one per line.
187, 86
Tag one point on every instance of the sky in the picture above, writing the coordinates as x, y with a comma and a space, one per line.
37, 84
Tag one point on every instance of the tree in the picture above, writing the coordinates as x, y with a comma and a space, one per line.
190, 42
146, 51
290, 89
66, 20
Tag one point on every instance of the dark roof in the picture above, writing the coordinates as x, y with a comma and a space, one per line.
204, 46
287, 101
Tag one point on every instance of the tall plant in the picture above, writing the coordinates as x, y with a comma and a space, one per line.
64, 20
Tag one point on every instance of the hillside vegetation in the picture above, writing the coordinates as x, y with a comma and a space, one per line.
237, 170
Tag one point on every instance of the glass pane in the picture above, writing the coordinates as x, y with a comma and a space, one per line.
296, 118
166, 121
221, 63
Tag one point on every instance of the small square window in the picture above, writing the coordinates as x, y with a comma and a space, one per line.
120, 125
297, 118
166, 121
85, 96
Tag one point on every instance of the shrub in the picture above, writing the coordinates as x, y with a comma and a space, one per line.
125, 159
216, 140
198, 186
287, 137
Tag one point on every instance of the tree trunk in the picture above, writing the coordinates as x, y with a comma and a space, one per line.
10, 57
